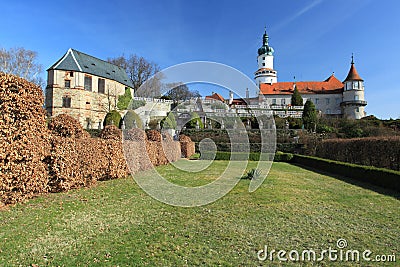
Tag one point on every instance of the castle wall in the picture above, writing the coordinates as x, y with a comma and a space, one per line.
327, 103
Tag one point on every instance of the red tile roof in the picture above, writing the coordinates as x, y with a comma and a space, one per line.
238, 102
353, 75
329, 86
215, 96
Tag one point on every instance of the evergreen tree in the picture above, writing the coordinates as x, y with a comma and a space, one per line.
169, 122
123, 100
296, 100
195, 119
112, 117
132, 120
309, 115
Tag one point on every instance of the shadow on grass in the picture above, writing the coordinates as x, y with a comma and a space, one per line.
375, 188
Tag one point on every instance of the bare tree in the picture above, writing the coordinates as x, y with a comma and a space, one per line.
140, 70
151, 87
22, 63
180, 92
108, 101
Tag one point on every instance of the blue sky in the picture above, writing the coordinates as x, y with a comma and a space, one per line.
311, 38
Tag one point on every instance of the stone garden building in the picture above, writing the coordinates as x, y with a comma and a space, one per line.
84, 87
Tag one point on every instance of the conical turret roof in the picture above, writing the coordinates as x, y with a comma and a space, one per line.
353, 74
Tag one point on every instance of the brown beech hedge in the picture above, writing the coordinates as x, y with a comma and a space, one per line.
37, 158
187, 146
24, 140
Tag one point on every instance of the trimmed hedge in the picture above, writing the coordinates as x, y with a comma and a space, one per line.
289, 147
381, 152
24, 140
132, 120
221, 155
254, 147
283, 157
112, 117
377, 176
220, 136
252, 156
94, 133
223, 142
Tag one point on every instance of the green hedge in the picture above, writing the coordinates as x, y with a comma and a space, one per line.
283, 157
377, 176
220, 136
381, 152
221, 155
256, 147
94, 132
226, 147
252, 156
112, 117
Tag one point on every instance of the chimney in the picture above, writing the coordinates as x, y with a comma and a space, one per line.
247, 93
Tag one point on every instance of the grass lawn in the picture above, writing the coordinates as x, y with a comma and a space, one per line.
117, 224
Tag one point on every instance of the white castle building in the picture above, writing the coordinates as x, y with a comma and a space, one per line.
331, 96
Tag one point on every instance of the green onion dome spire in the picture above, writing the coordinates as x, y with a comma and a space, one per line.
265, 48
